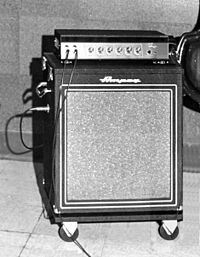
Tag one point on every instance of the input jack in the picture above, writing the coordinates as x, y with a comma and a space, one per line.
149, 52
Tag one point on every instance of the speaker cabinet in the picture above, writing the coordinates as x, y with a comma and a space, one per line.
113, 148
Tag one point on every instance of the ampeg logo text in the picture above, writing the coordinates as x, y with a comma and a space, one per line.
109, 79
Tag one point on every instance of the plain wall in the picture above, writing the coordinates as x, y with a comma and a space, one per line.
24, 22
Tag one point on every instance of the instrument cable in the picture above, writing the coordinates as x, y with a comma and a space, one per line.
59, 109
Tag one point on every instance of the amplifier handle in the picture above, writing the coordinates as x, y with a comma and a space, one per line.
42, 89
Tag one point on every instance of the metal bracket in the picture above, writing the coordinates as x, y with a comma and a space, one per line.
70, 227
180, 208
50, 74
56, 43
42, 89
170, 226
44, 63
56, 211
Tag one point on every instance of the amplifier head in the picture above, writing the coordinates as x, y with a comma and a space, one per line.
112, 44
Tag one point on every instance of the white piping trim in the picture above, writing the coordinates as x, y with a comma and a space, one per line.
101, 204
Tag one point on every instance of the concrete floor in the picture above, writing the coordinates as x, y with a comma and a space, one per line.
24, 231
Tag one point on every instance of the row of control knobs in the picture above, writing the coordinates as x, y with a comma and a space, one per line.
119, 50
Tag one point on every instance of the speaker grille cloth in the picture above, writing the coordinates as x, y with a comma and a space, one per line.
118, 145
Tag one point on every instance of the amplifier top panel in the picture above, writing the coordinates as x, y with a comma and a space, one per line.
64, 35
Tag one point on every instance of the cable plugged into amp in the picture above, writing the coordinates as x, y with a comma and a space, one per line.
38, 109
41, 108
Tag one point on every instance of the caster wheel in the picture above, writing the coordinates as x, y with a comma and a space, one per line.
67, 238
166, 236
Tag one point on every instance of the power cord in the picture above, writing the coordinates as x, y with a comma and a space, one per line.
38, 109
188, 86
186, 37
59, 109
76, 242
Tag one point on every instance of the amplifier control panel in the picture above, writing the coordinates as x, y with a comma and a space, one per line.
123, 50
112, 44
